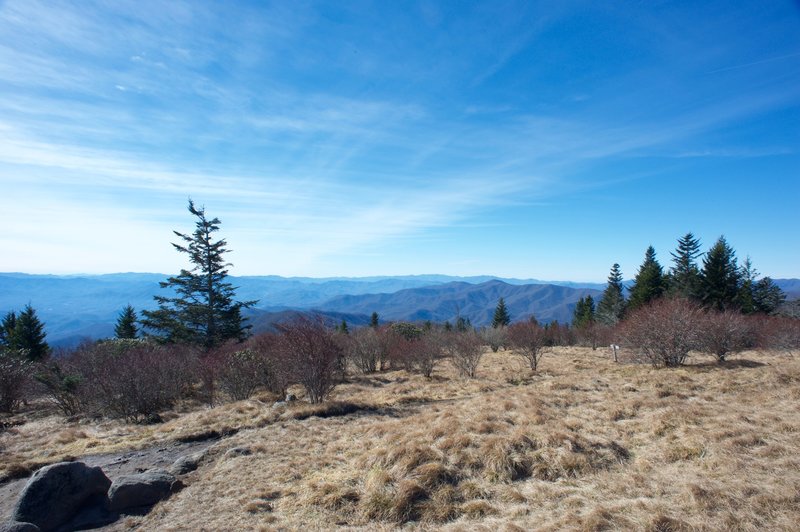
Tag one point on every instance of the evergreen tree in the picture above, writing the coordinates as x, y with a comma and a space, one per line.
684, 278
720, 277
767, 296
463, 324
29, 335
373, 320
7, 328
343, 328
747, 281
126, 324
612, 305
203, 311
501, 317
583, 314
648, 283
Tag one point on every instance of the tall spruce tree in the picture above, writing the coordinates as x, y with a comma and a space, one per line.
684, 278
29, 335
501, 316
720, 277
612, 305
203, 310
373, 320
126, 323
649, 282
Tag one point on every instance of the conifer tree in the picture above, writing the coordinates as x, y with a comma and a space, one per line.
343, 328
720, 277
684, 278
373, 320
203, 310
126, 323
767, 296
612, 305
648, 283
29, 335
583, 315
7, 327
501, 317
747, 280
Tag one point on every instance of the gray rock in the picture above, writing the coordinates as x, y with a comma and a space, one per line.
56, 493
233, 452
143, 489
187, 464
16, 526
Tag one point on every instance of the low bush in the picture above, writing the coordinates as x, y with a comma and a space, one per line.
465, 350
312, 354
530, 341
664, 331
14, 371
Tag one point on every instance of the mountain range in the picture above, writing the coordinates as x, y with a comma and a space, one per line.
76, 307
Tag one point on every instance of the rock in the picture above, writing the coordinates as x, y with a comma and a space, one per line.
56, 493
279, 404
143, 489
186, 464
16, 526
233, 452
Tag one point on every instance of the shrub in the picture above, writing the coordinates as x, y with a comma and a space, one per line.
494, 337
62, 384
312, 353
367, 349
134, 379
14, 370
241, 371
420, 354
465, 350
777, 332
665, 331
529, 341
723, 333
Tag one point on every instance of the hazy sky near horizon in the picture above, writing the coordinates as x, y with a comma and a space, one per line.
522, 139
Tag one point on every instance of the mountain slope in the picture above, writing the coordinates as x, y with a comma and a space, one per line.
474, 301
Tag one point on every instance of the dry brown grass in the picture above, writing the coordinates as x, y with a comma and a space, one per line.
585, 444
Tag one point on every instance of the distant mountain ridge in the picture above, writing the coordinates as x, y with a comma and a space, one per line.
86, 306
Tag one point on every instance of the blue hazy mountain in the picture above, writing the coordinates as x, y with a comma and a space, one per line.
74, 307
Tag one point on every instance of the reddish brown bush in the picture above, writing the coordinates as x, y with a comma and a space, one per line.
665, 331
14, 370
777, 332
367, 349
530, 341
133, 379
724, 333
312, 354
465, 350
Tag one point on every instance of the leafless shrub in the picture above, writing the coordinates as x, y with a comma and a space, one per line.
529, 341
313, 354
495, 337
366, 349
276, 371
133, 379
559, 334
777, 332
465, 350
723, 333
665, 331
14, 370
241, 370
62, 384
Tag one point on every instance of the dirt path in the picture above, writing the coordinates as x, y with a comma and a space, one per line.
113, 465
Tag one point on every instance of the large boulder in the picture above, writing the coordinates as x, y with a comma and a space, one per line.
14, 526
56, 493
141, 490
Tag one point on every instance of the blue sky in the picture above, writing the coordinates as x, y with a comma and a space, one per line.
524, 139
